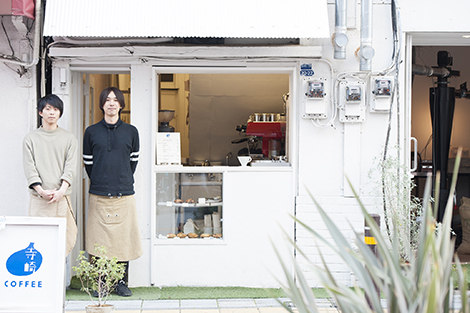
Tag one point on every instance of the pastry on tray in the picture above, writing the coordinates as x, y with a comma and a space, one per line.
217, 235
181, 235
170, 235
192, 235
190, 201
178, 201
205, 235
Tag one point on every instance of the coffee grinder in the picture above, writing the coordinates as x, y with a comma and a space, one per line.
164, 117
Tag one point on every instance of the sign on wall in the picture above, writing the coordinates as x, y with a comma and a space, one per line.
32, 264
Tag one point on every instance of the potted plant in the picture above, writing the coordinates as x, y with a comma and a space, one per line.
100, 274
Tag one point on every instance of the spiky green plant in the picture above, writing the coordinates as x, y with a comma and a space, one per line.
100, 274
423, 285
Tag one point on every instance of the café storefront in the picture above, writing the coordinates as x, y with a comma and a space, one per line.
205, 219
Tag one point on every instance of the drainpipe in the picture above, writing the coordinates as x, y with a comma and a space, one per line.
366, 52
341, 39
37, 32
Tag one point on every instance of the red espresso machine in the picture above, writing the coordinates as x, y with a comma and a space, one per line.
272, 132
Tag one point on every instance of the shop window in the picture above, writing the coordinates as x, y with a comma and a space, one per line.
222, 116
189, 206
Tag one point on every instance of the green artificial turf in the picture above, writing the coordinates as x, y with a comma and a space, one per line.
180, 293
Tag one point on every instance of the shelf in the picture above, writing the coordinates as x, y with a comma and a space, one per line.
189, 241
197, 205
219, 169
201, 183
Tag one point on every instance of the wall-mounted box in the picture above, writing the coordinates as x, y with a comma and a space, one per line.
381, 93
316, 98
351, 101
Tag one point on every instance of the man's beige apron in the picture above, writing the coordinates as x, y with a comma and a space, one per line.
113, 223
63, 208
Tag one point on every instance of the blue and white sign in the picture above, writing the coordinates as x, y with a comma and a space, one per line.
32, 264
24, 262
306, 69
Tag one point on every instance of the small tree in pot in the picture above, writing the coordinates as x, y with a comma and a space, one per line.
101, 274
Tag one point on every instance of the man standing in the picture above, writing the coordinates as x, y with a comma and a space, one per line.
110, 155
50, 165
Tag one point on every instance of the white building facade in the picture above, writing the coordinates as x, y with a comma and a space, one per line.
329, 139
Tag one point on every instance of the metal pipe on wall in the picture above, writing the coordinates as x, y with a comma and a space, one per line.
366, 52
430, 71
340, 39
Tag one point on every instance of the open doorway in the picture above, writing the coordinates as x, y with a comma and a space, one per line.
92, 85
421, 123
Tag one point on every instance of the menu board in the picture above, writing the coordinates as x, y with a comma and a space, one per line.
168, 149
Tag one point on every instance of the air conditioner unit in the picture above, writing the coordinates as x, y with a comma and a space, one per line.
17, 8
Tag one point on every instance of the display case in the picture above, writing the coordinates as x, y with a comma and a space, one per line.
189, 206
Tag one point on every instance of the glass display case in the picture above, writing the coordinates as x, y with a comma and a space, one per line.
189, 206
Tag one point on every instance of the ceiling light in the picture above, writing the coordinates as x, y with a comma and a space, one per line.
466, 36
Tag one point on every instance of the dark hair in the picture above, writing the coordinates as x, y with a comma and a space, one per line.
119, 96
52, 100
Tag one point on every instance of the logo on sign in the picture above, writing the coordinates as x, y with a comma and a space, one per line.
24, 262
306, 69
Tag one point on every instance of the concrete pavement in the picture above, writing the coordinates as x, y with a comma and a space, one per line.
200, 306
217, 306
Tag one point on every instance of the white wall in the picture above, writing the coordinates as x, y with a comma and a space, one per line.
327, 155
142, 116
18, 103
434, 16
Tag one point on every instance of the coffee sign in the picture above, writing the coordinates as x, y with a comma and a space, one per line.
32, 264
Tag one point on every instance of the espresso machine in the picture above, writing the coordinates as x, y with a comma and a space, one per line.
270, 129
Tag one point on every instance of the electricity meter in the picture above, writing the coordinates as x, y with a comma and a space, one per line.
351, 102
315, 90
316, 100
381, 93
383, 87
353, 93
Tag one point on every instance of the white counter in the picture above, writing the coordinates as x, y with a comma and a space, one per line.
258, 203
219, 169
